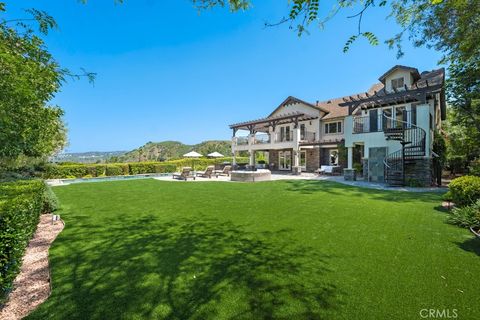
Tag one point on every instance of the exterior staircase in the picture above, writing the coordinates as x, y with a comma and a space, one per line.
412, 140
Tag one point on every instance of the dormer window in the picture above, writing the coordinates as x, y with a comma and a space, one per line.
398, 83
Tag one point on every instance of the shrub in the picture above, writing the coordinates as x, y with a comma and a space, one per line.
165, 168
474, 168
50, 201
151, 167
21, 204
467, 217
87, 176
96, 170
414, 183
115, 170
465, 190
53, 171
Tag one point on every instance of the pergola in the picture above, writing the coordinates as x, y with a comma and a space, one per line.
262, 124
415, 93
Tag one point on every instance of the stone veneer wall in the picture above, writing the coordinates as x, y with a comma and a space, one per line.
273, 159
419, 172
313, 159
365, 168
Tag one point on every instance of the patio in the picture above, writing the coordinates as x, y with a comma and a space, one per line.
278, 175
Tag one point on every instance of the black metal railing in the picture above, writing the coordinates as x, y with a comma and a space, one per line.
413, 141
382, 122
308, 136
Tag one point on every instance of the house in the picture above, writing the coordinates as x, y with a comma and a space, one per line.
298, 135
387, 131
394, 127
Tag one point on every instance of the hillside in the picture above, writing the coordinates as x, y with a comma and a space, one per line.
168, 150
86, 157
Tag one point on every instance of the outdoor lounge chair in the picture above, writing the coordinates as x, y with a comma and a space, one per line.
225, 172
184, 175
207, 173
327, 170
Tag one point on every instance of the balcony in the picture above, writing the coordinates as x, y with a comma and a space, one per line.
262, 138
308, 137
366, 124
242, 141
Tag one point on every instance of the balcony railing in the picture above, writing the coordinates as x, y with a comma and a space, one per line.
241, 141
283, 138
365, 124
261, 138
308, 136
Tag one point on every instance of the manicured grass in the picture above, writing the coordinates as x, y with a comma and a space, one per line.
285, 250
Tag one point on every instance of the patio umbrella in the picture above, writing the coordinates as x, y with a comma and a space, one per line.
215, 155
193, 155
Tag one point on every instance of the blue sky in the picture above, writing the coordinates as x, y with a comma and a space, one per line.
166, 72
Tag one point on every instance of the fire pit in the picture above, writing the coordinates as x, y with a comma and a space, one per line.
251, 176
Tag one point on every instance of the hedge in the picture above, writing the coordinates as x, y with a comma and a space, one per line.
465, 190
21, 204
151, 167
54, 171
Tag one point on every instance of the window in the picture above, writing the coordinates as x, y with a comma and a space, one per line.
303, 159
397, 83
400, 117
387, 118
302, 132
287, 133
333, 127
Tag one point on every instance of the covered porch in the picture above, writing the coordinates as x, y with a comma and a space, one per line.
286, 144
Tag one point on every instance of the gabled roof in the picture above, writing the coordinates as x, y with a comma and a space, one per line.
334, 107
413, 71
429, 84
293, 100
264, 123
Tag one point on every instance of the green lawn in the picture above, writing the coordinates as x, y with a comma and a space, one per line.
147, 249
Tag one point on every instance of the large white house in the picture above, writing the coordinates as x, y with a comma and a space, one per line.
387, 131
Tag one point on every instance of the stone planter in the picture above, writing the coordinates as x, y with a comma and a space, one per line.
350, 174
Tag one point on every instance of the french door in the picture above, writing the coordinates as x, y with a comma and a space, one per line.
285, 160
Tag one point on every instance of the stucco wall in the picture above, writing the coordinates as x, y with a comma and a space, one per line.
377, 139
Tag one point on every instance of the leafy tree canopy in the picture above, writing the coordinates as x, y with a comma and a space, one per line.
29, 79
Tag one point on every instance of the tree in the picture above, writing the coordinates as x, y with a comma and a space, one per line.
29, 79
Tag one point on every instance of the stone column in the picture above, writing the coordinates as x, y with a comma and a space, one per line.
296, 150
234, 144
350, 157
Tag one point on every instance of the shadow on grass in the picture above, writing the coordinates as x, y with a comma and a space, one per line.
471, 245
335, 188
185, 269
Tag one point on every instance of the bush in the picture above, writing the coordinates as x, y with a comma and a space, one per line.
474, 168
151, 167
115, 170
467, 217
52, 171
21, 204
465, 190
96, 170
50, 201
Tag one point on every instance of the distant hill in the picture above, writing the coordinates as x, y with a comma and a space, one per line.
168, 150
86, 157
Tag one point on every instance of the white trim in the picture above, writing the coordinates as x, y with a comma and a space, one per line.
282, 154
